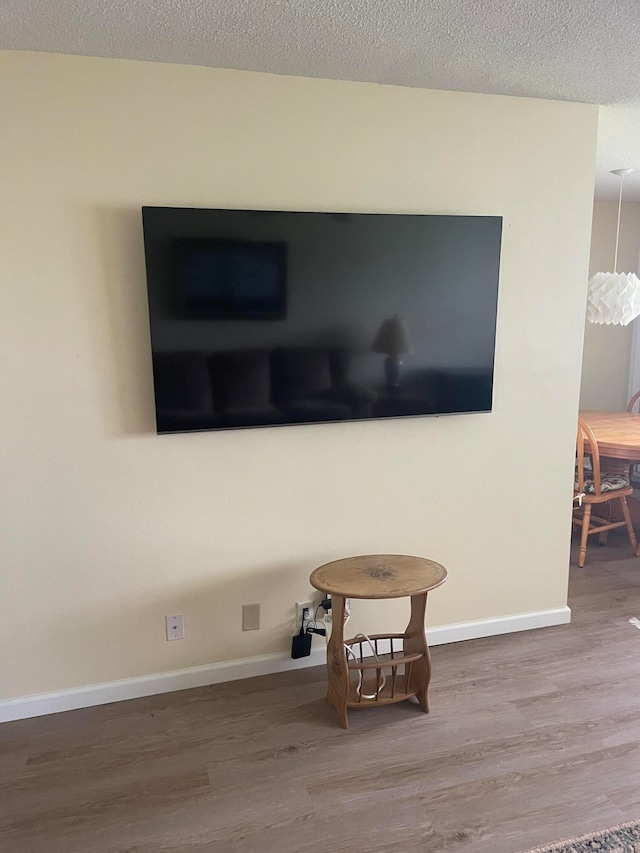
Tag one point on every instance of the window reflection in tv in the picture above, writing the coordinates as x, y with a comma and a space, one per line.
265, 318
232, 279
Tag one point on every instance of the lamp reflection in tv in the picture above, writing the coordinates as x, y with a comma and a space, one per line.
392, 340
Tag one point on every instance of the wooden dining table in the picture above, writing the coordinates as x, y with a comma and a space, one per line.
618, 437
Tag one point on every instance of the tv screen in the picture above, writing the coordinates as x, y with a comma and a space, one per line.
268, 318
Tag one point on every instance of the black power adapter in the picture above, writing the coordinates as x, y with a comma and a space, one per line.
301, 645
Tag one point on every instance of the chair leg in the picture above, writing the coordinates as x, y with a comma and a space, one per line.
629, 523
584, 535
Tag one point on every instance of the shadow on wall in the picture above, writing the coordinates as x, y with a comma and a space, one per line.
117, 314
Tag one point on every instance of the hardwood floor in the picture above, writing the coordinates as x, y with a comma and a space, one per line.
531, 737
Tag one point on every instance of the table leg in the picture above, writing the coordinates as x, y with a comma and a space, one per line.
415, 640
605, 510
337, 670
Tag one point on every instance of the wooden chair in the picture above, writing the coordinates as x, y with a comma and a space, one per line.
593, 487
634, 468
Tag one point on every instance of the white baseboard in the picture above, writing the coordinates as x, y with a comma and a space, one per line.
501, 625
232, 670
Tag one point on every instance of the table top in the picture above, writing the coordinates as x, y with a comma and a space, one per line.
618, 433
378, 576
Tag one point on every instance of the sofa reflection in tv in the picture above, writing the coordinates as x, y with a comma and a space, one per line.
257, 387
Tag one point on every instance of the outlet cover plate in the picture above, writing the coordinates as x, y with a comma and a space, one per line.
175, 627
250, 617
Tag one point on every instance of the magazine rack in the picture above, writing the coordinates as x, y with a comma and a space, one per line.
379, 669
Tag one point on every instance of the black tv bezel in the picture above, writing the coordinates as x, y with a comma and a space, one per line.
413, 214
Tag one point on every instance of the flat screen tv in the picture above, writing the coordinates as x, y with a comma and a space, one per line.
268, 318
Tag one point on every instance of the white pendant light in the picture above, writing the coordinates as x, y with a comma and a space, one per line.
613, 298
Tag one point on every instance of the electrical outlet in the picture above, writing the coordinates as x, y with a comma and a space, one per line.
175, 627
301, 606
250, 617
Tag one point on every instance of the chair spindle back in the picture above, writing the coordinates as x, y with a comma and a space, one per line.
633, 401
586, 437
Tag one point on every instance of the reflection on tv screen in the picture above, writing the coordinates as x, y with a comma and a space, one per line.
229, 279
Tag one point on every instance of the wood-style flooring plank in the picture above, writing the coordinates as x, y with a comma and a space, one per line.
532, 737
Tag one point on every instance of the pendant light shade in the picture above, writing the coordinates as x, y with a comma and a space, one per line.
613, 298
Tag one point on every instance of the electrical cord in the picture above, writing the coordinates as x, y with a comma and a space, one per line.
313, 629
312, 626
350, 653
327, 622
328, 618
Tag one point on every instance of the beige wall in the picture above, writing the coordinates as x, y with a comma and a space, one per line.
607, 349
108, 527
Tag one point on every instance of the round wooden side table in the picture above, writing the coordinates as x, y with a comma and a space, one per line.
381, 668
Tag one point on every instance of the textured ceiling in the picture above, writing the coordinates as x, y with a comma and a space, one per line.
577, 50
